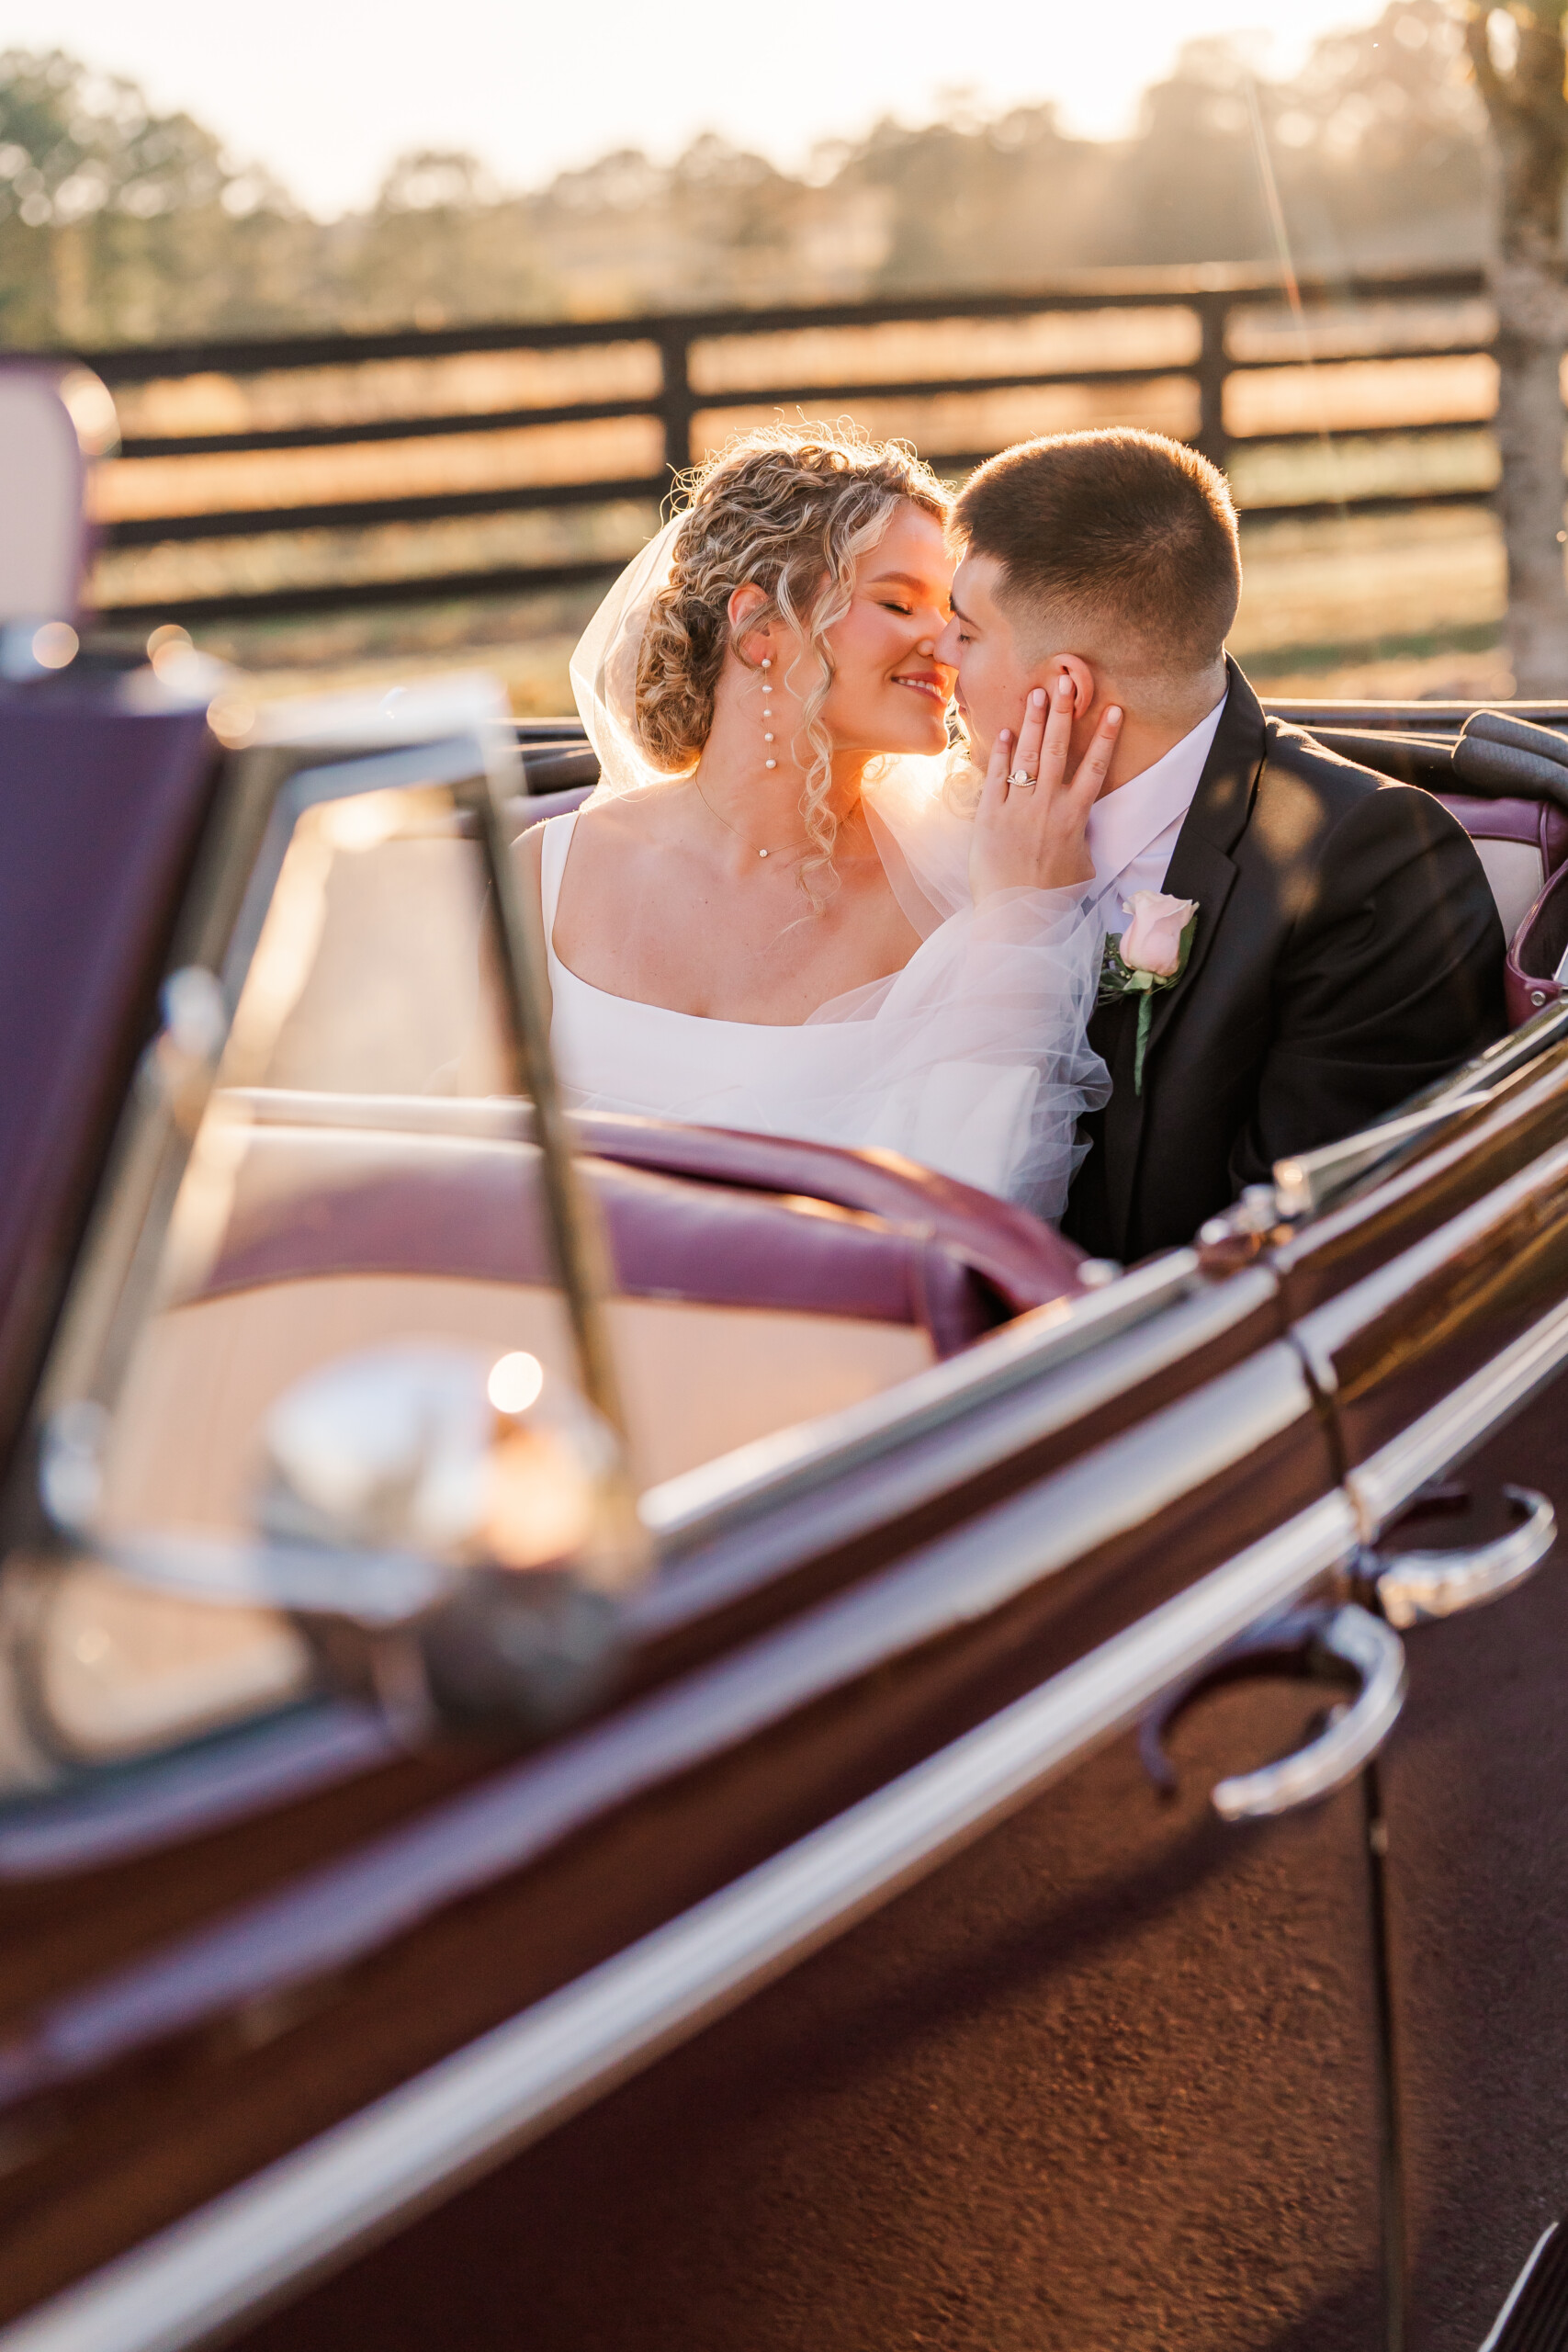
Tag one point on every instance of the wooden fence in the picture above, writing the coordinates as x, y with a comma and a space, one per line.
1200, 344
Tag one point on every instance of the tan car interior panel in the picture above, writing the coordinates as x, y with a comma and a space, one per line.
698, 1379
1517, 871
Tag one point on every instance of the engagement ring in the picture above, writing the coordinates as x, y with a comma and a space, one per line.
1021, 780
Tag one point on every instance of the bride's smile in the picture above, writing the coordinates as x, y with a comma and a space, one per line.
889, 692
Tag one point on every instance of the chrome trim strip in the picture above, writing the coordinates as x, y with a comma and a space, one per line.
326, 1917
1460, 1421
1309, 1179
1495, 2332
1337, 1753
1506, 1056
494, 1118
1417, 1587
1526, 1090
120, 1814
937, 1451
424, 2139
1325, 1330
568, 1210
692, 1504
1337, 1180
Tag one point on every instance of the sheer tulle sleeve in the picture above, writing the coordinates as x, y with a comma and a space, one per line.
973, 1059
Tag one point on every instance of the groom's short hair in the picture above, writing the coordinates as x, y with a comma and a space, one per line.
1123, 537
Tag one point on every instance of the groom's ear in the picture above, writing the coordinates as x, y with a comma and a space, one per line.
1073, 667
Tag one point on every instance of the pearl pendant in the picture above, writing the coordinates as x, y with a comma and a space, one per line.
762, 852
770, 763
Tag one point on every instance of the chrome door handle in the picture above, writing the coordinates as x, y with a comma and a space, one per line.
1347, 1645
1352, 1740
1413, 1586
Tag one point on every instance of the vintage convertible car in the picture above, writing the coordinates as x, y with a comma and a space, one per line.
618, 1734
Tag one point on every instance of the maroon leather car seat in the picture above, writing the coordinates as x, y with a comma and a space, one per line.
757, 1283
1536, 952
695, 1214
1522, 844
1519, 829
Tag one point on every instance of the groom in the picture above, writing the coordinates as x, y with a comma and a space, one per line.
1345, 949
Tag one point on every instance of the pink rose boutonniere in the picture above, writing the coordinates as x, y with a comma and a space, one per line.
1151, 954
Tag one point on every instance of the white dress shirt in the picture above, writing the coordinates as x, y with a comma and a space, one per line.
1131, 832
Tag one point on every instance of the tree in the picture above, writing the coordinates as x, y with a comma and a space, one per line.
1520, 63
119, 223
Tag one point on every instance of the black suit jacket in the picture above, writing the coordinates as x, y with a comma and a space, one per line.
1348, 952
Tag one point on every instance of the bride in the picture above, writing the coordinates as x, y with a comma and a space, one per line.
788, 907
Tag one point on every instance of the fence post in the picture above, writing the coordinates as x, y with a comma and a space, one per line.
675, 401
1213, 366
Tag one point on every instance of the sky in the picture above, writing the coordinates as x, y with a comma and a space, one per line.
328, 92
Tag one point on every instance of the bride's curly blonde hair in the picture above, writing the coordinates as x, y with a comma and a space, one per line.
790, 510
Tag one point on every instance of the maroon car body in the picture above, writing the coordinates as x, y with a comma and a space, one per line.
838, 1972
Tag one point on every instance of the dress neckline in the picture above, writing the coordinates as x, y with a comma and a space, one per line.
549, 901
668, 1011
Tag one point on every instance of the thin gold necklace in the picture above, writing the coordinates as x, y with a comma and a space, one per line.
712, 812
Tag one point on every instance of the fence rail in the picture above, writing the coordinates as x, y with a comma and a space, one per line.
1213, 298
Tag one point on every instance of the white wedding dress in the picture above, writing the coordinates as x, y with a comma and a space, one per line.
973, 1059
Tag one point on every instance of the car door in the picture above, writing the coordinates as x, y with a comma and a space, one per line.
860, 2154
1430, 1308
260, 2010
883, 1657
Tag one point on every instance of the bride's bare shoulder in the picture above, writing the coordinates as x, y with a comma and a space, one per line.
622, 816
649, 816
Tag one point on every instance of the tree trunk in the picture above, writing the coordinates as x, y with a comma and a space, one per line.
1529, 123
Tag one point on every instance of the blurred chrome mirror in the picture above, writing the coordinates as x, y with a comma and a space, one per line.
506, 1483
430, 1448
448, 1530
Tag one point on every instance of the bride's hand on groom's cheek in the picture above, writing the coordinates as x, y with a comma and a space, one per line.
1033, 839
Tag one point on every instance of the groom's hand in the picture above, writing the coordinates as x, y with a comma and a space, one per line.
1032, 838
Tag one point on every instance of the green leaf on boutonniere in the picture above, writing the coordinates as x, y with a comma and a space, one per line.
1117, 979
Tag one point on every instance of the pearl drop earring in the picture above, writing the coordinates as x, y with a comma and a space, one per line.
767, 690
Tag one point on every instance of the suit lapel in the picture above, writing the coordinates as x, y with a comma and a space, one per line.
1200, 868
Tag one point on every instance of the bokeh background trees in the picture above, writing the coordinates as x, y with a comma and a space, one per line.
1435, 137
117, 224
